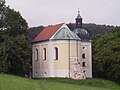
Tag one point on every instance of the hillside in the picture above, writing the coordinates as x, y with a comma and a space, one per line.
9, 82
33, 31
93, 29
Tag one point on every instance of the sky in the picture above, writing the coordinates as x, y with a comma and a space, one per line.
49, 12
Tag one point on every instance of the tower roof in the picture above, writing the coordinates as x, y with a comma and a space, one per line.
82, 34
79, 31
78, 16
65, 33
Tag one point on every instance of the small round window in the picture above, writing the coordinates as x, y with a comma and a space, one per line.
83, 48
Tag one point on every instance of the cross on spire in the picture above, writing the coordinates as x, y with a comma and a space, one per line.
78, 11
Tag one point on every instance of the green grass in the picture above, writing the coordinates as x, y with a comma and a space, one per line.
10, 82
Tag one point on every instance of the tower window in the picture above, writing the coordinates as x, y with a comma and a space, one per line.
36, 54
44, 53
56, 53
83, 48
84, 64
83, 56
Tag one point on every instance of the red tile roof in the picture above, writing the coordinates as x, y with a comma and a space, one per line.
47, 33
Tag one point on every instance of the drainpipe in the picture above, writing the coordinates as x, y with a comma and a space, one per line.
77, 48
33, 60
69, 55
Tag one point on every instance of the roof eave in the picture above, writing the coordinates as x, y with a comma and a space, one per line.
66, 39
34, 42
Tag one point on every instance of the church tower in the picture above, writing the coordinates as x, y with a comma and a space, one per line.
78, 20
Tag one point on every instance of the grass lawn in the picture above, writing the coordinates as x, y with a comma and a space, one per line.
10, 82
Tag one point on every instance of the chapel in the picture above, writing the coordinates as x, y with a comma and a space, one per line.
59, 52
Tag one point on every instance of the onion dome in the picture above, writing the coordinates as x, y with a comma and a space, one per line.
82, 34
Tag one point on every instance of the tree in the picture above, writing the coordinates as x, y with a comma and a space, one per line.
2, 17
106, 54
15, 23
15, 49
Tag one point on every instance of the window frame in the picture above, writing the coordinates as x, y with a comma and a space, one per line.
83, 64
83, 56
36, 54
55, 53
44, 53
83, 47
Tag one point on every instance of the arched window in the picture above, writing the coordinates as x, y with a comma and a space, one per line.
56, 53
44, 53
83, 64
83, 56
36, 54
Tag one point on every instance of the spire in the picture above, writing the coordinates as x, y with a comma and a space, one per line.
78, 11
78, 20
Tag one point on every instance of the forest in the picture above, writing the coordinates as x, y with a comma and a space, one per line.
16, 53
106, 55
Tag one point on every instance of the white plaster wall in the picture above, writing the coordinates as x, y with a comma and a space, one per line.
50, 72
88, 70
37, 73
88, 73
61, 73
40, 73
